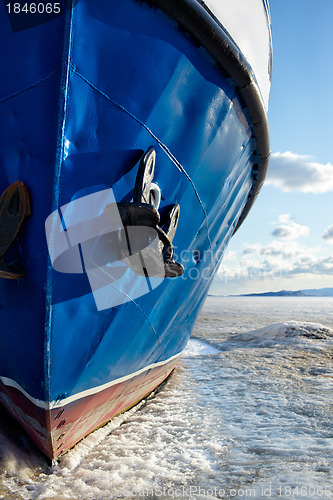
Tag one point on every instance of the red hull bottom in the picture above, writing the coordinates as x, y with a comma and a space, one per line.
58, 429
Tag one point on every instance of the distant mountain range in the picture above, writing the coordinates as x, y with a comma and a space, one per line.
310, 292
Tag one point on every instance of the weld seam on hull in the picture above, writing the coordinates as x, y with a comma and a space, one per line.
62, 117
15, 94
199, 22
142, 312
163, 146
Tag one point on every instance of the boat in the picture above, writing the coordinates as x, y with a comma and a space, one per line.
134, 142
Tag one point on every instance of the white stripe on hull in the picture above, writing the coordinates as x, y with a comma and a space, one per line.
50, 405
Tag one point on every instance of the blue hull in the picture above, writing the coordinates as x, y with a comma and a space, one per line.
86, 94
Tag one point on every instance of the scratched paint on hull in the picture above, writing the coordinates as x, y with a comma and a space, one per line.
56, 429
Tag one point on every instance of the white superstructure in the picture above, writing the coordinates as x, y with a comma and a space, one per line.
248, 23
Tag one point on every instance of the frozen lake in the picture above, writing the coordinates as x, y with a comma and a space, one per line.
247, 413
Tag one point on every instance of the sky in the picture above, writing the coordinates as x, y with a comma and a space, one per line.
286, 242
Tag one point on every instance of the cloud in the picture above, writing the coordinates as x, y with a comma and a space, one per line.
280, 255
328, 235
293, 172
289, 229
275, 261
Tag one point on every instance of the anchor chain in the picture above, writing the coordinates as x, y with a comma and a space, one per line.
141, 213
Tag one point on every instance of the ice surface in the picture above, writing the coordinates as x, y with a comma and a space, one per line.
196, 347
253, 414
292, 333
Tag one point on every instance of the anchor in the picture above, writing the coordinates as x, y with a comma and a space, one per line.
140, 214
14, 208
